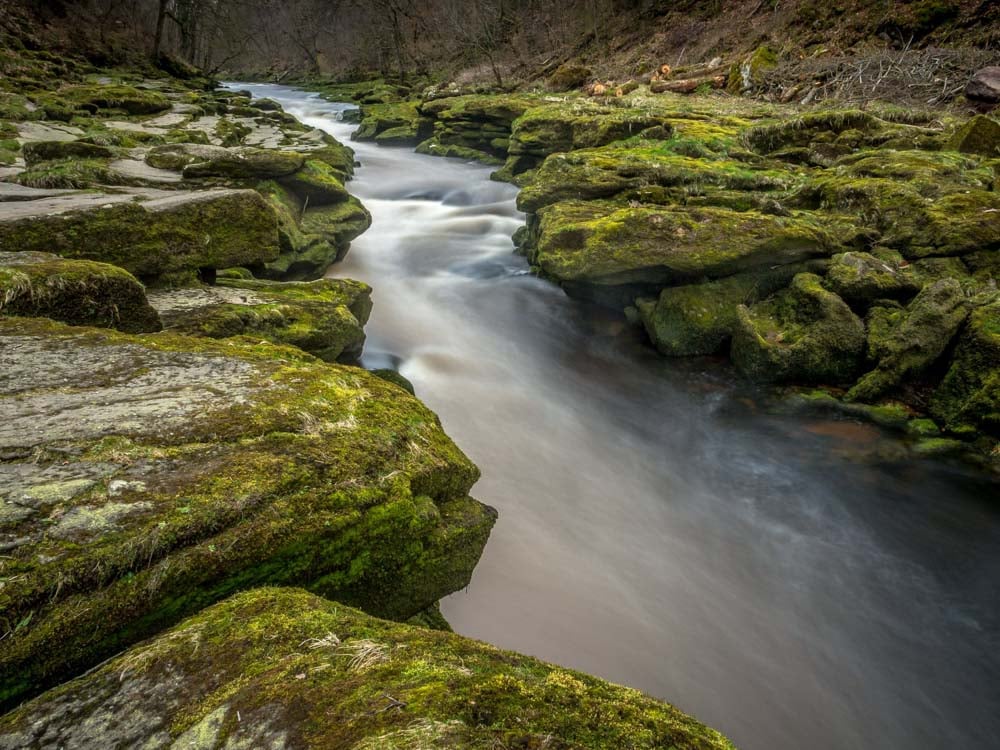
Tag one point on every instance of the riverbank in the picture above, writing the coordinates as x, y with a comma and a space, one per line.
149, 473
863, 282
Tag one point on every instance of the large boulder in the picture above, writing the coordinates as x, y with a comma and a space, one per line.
281, 668
984, 86
698, 319
980, 135
905, 343
143, 478
601, 244
39, 151
149, 233
312, 238
861, 278
246, 164
803, 334
640, 172
78, 292
325, 318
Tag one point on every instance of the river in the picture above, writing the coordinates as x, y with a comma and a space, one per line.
657, 527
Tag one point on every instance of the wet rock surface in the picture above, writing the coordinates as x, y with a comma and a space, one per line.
155, 475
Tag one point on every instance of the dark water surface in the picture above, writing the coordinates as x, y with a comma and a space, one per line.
655, 528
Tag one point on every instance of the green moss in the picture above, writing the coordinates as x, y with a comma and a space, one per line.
93, 98
599, 243
968, 399
77, 292
906, 344
699, 319
40, 151
432, 147
805, 129
324, 318
322, 675
804, 334
569, 76
980, 135
213, 230
635, 169
293, 471
316, 184
67, 174
749, 74
397, 123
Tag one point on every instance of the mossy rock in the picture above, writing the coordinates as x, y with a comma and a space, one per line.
748, 75
316, 184
860, 278
184, 231
980, 135
283, 668
803, 334
699, 319
907, 342
432, 147
392, 376
602, 244
325, 318
153, 476
806, 129
968, 399
246, 164
393, 124
39, 151
568, 76
72, 173
635, 170
93, 98
574, 125
176, 156
311, 238
77, 292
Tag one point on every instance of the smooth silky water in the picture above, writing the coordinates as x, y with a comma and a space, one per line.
656, 528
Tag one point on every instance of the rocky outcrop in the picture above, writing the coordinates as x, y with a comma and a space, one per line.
148, 233
176, 470
283, 668
77, 292
802, 334
325, 318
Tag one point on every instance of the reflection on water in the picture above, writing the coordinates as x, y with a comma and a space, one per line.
656, 527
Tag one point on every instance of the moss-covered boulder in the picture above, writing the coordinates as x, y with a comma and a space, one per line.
393, 124
147, 477
980, 135
91, 98
905, 343
568, 76
148, 233
601, 244
246, 164
968, 399
312, 238
808, 129
803, 334
283, 668
698, 319
325, 318
176, 156
317, 184
77, 292
860, 278
39, 151
641, 171
748, 75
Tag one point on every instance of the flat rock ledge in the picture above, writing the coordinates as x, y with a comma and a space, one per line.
148, 232
143, 478
281, 668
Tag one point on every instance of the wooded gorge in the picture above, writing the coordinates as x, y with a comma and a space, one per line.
499, 374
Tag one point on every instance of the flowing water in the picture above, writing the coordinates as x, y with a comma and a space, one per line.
656, 527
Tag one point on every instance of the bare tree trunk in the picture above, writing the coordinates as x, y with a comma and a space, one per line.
161, 18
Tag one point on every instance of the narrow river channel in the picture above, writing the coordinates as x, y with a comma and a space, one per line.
657, 528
